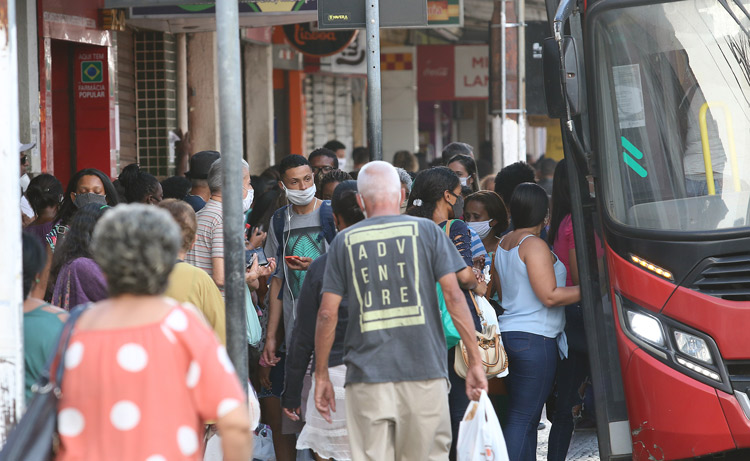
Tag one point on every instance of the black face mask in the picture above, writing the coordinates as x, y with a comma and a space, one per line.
458, 207
82, 200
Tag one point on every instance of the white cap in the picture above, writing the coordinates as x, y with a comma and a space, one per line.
24, 147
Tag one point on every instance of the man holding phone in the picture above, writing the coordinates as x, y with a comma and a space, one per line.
207, 252
296, 235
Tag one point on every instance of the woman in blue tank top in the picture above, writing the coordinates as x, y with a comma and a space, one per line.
531, 283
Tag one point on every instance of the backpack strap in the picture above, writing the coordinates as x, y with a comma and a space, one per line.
277, 221
327, 226
278, 229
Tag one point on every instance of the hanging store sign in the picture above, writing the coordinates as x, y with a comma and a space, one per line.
209, 9
317, 43
352, 61
348, 14
445, 13
452, 73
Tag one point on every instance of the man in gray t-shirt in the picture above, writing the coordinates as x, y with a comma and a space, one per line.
395, 351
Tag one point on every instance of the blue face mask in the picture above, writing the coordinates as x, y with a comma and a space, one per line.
82, 200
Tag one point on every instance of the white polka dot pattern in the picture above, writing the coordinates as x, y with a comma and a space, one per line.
187, 440
193, 374
156, 458
221, 352
177, 320
125, 415
227, 406
132, 357
168, 333
73, 355
70, 422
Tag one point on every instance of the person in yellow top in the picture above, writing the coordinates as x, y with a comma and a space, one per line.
189, 284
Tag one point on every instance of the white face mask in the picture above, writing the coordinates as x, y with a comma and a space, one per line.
482, 228
301, 197
247, 202
464, 181
25, 180
342, 164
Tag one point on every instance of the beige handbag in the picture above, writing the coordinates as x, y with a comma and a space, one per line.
491, 350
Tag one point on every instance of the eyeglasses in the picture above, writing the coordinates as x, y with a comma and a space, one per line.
324, 169
24, 158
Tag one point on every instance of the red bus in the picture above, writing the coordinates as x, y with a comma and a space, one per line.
654, 100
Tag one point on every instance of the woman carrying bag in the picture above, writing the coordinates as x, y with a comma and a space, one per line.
436, 195
531, 283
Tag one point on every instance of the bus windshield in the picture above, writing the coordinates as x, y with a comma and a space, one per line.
672, 89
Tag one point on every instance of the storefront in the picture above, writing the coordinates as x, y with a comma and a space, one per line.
78, 123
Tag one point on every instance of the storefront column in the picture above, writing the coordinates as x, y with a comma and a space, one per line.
203, 96
258, 81
28, 79
296, 112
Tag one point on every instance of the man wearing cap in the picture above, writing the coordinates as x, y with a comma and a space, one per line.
200, 163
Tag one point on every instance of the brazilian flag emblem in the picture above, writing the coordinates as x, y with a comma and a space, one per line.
91, 72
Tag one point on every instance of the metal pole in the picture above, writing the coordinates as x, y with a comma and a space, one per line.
521, 29
230, 120
182, 87
11, 296
437, 111
504, 78
496, 84
374, 103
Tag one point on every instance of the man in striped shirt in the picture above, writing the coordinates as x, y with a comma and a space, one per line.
207, 252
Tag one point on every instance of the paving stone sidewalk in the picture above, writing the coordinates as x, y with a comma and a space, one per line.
583, 445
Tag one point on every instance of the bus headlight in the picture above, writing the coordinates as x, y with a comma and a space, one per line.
673, 343
693, 346
646, 327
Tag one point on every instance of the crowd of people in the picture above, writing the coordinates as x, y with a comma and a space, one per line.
346, 269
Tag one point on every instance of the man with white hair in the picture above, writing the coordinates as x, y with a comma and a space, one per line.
395, 351
207, 252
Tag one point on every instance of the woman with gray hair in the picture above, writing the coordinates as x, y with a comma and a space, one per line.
143, 373
406, 182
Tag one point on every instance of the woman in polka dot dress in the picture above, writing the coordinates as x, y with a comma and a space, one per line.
143, 374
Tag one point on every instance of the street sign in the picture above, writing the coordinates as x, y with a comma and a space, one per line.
348, 14
318, 43
177, 10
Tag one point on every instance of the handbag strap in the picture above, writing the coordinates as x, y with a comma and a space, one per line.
447, 227
58, 357
493, 272
476, 306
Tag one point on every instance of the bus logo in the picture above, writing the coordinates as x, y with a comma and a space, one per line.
633, 151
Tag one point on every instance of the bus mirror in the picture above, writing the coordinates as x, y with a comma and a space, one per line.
556, 101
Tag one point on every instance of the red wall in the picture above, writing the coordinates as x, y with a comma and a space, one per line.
82, 8
92, 109
61, 106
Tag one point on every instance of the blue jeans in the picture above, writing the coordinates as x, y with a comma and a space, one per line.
532, 364
458, 402
698, 188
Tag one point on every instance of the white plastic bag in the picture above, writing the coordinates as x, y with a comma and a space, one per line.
488, 312
489, 318
254, 331
480, 437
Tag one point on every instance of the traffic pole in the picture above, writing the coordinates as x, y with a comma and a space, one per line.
230, 120
11, 271
374, 95
497, 81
